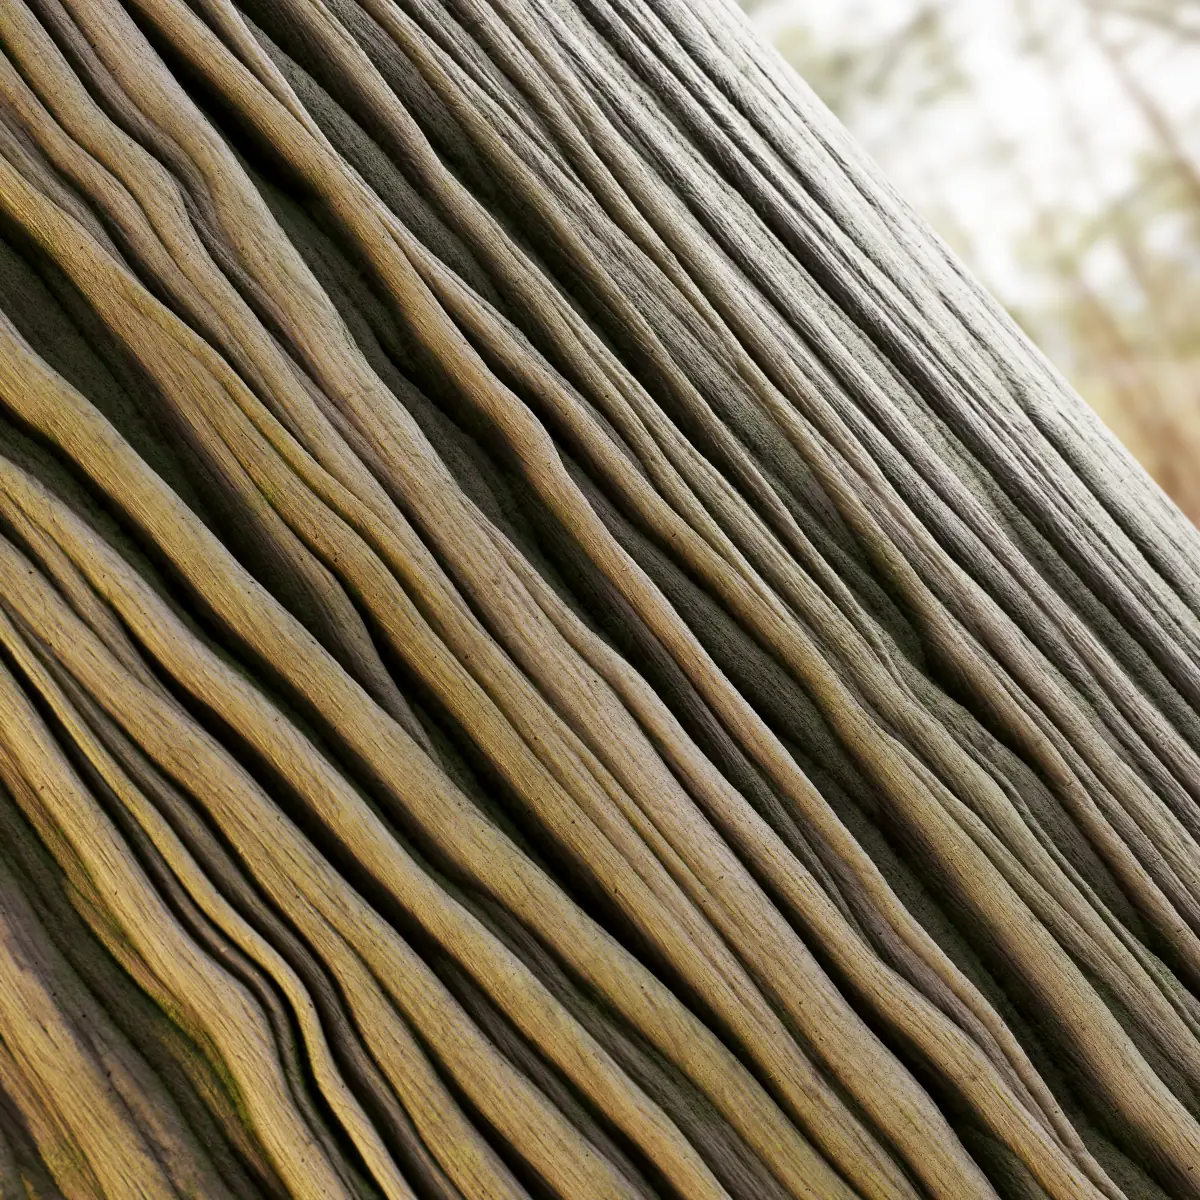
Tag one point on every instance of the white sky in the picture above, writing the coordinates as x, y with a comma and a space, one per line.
949, 155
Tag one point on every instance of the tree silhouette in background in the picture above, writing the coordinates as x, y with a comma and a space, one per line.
1102, 275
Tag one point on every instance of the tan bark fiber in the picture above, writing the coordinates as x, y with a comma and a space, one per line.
553, 643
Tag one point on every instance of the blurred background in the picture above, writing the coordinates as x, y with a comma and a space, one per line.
1055, 144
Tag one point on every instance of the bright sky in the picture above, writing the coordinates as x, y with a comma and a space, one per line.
1075, 132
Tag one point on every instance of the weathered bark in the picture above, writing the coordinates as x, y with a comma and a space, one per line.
553, 642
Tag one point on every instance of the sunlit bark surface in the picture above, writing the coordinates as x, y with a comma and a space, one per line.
552, 643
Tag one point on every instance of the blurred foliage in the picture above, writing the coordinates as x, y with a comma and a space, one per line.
1099, 235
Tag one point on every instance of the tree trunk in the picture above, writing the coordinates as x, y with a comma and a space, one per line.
553, 642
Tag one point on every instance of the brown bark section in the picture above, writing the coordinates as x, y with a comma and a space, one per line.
552, 643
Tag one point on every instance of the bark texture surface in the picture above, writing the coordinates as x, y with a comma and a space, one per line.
553, 644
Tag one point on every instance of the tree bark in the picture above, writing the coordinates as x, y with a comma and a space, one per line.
554, 643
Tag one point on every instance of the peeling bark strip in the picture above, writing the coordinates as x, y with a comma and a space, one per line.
553, 644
